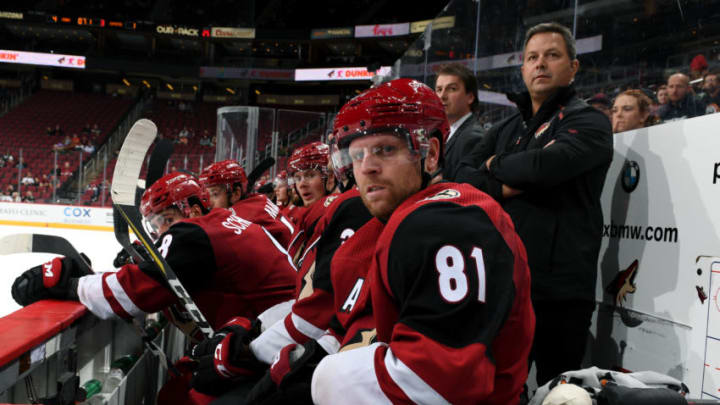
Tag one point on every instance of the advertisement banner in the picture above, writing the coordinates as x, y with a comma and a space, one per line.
76, 217
325, 33
43, 59
342, 73
246, 73
229, 32
382, 30
437, 24
657, 287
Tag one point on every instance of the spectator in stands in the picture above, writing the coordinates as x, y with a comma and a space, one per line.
682, 102
95, 129
2, 162
5, 198
49, 131
58, 130
28, 197
698, 68
9, 189
86, 129
44, 181
457, 87
75, 142
662, 95
205, 139
66, 170
183, 135
630, 111
95, 192
602, 103
16, 197
711, 93
29, 180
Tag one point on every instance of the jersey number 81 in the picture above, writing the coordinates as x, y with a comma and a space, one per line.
452, 279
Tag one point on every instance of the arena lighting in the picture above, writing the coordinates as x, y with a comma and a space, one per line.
127, 83
229, 90
257, 92
195, 88
145, 82
169, 86
43, 59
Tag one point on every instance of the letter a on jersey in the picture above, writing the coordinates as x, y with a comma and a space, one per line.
353, 296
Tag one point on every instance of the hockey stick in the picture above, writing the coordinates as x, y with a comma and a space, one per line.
124, 183
38, 243
156, 167
257, 172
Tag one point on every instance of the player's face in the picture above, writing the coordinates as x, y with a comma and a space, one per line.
218, 196
163, 221
281, 194
309, 185
626, 114
385, 171
546, 64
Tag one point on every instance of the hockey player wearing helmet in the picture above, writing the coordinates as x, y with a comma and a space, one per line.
308, 167
227, 185
448, 277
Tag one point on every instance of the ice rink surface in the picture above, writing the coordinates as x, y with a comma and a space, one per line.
100, 246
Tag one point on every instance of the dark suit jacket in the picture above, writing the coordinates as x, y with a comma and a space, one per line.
460, 145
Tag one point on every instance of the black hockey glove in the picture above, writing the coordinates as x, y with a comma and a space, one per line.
289, 377
123, 257
57, 279
225, 358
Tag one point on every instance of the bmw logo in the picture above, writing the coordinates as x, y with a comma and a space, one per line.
630, 176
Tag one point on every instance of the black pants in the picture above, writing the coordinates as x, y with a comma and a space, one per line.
561, 332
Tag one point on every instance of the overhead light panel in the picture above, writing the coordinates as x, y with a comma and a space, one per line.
169, 86
126, 82
229, 90
145, 82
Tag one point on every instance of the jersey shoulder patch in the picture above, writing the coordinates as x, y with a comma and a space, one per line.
447, 194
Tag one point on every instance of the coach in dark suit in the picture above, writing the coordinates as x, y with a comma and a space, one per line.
457, 88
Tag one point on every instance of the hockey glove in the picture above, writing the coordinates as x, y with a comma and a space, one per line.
57, 279
123, 257
289, 377
226, 358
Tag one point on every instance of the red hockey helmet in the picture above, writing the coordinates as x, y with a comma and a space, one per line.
173, 190
403, 107
227, 172
281, 179
314, 155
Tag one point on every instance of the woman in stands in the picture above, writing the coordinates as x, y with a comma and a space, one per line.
630, 111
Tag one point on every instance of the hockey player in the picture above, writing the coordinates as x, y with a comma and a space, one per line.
449, 276
308, 166
229, 265
282, 198
227, 185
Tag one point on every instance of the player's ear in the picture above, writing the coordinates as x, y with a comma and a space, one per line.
432, 159
196, 211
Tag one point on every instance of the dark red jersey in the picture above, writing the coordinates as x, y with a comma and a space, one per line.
306, 227
311, 313
259, 210
229, 266
450, 292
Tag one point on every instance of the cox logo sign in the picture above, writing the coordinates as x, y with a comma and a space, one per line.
76, 212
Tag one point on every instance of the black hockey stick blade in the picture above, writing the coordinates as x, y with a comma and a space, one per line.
127, 171
156, 168
38, 243
258, 171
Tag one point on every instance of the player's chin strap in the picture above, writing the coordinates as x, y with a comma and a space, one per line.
427, 177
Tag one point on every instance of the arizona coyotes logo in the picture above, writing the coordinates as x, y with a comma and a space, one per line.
542, 129
447, 194
623, 284
329, 200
